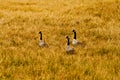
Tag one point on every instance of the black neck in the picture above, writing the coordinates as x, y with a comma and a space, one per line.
40, 36
68, 43
74, 35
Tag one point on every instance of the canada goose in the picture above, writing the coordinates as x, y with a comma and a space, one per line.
42, 43
75, 41
69, 49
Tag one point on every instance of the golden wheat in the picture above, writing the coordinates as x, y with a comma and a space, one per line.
97, 23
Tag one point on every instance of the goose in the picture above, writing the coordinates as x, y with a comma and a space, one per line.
75, 41
42, 43
69, 49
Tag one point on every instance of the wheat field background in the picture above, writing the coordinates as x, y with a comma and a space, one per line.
97, 23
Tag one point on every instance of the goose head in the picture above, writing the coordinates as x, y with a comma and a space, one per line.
73, 30
40, 32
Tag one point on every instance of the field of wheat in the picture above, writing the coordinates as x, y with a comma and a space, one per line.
97, 23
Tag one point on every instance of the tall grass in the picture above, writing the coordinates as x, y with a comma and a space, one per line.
97, 23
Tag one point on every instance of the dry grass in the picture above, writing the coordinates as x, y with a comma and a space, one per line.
97, 23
